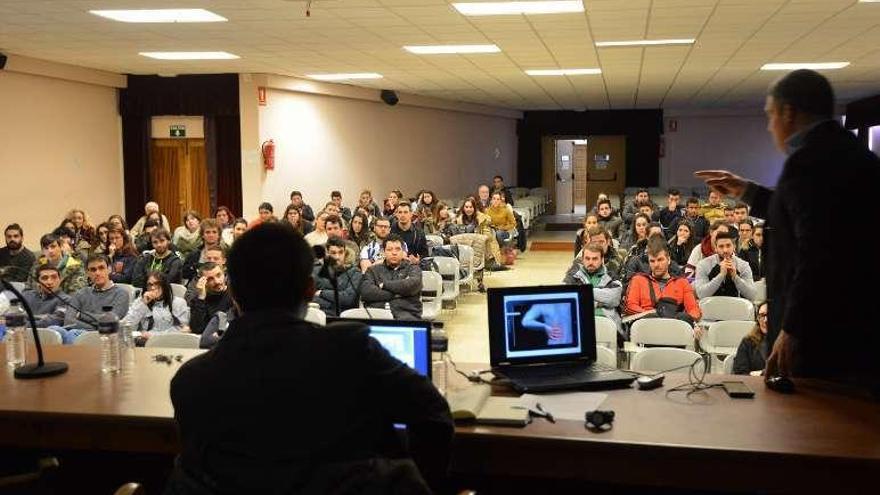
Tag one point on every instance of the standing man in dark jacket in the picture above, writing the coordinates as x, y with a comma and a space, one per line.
395, 282
809, 338
281, 405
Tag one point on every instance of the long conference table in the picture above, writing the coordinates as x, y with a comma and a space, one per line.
818, 439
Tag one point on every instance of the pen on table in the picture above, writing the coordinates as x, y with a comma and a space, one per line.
545, 413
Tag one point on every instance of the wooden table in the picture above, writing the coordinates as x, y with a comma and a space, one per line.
815, 440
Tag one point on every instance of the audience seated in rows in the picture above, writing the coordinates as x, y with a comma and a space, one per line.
395, 282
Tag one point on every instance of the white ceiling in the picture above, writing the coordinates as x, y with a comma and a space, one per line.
734, 38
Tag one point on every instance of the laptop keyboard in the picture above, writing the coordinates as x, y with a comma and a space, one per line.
558, 377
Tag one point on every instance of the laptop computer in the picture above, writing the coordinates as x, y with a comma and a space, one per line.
408, 341
543, 339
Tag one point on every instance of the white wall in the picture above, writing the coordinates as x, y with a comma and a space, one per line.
736, 142
330, 142
60, 147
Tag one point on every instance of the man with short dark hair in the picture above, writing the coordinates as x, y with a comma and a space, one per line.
631, 208
747, 250
215, 255
590, 270
336, 266
741, 212
693, 215
160, 259
333, 227
374, 252
336, 198
670, 215
15, 255
499, 187
396, 282
143, 241
92, 300
724, 273
296, 199
243, 422
47, 301
73, 277
212, 295
416, 243
211, 237
608, 219
611, 257
816, 337
730, 221
645, 289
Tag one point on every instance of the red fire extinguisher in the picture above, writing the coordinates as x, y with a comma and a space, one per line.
268, 151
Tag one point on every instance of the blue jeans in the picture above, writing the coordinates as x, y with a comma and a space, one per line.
502, 236
67, 336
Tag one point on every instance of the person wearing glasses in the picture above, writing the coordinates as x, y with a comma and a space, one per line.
751, 355
373, 252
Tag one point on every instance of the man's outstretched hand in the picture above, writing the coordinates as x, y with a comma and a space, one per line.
723, 181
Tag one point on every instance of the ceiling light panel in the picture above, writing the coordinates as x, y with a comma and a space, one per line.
519, 8
190, 55
805, 65
447, 49
160, 15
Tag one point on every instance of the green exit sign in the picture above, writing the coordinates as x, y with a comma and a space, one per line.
178, 131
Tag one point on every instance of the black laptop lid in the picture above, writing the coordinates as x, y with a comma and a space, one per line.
541, 325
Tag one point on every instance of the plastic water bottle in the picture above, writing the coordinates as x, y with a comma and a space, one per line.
16, 326
126, 345
108, 327
439, 365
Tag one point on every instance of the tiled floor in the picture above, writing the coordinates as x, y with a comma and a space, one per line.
467, 326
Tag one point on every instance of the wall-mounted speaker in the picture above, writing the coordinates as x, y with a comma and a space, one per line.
389, 97
2, 61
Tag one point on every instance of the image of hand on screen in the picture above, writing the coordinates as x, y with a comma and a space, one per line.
552, 318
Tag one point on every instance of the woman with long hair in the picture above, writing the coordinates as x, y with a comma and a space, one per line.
751, 355
83, 228
99, 245
116, 221
426, 206
224, 217
293, 217
638, 231
123, 256
187, 238
157, 310
440, 223
239, 227
682, 243
359, 230
580, 238
319, 235
79, 248
473, 221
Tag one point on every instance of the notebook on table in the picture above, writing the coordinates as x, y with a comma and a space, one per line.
543, 339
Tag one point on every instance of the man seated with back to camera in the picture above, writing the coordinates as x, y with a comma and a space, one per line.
339, 265
590, 270
724, 273
89, 302
162, 258
646, 289
396, 282
213, 296
305, 409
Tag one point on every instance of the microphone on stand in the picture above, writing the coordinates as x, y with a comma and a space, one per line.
41, 369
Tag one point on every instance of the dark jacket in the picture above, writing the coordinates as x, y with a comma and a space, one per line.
415, 240
278, 400
348, 282
831, 335
401, 289
749, 357
202, 310
700, 230
22, 261
125, 275
754, 256
171, 266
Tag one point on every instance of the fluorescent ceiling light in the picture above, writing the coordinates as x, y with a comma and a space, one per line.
683, 41
439, 49
160, 15
343, 77
805, 65
869, 1
563, 72
517, 8
190, 55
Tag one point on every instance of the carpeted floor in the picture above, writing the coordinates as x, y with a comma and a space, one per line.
551, 246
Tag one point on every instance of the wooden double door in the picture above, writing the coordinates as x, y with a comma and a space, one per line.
179, 178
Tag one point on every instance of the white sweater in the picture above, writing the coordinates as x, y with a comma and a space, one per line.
163, 321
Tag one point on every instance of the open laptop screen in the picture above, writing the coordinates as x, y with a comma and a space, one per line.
532, 325
408, 341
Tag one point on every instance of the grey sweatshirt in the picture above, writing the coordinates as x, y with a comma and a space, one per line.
90, 300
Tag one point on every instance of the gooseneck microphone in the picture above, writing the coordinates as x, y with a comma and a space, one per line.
41, 369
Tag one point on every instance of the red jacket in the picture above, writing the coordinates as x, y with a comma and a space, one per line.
638, 297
